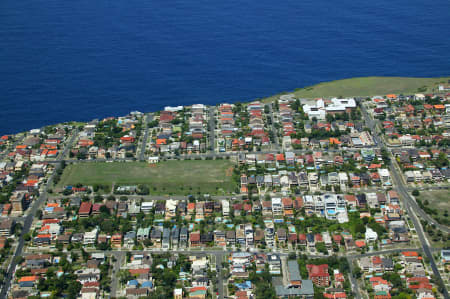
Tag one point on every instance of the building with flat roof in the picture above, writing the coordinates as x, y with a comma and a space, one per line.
291, 285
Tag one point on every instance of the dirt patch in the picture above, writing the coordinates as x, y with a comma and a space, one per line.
229, 171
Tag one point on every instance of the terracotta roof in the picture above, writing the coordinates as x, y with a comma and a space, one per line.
139, 271
85, 208
318, 270
29, 278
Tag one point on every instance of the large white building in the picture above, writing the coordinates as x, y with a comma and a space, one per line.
318, 109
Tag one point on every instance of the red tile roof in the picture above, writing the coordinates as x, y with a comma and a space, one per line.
85, 208
318, 270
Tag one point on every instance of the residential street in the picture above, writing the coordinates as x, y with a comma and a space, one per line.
147, 118
28, 222
410, 205
212, 129
417, 225
116, 268
274, 130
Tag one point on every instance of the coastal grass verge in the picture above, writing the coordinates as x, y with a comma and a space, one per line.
168, 177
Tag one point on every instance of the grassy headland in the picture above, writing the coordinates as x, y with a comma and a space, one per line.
367, 86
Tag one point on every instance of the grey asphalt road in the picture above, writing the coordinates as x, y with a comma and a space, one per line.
27, 221
212, 127
274, 130
418, 226
147, 118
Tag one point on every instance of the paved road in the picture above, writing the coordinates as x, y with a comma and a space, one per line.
411, 201
120, 255
219, 258
372, 124
152, 198
116, 268
202, 156
147, 118
409, 204
219, 254
274, 130
410, 208
212, 128
13, 146
68, 146
212, 155
353, 280
26, 228
398, 177
28, 220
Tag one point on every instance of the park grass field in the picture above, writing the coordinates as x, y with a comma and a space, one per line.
168, 177
367, 86
438, 201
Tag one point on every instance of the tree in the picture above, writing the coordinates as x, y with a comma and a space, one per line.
320, 246
416, 192
125, 276
74, 256
360, 228
59, 246
357, 271
393, 278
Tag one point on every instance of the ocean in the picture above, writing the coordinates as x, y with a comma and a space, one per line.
85, 59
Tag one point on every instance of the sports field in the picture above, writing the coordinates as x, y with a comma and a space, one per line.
176, 177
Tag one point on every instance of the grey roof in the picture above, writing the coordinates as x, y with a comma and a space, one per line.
307, 288
156, 233
166, 233
175, 233
130, 235
387, 263
294, 273
75, 202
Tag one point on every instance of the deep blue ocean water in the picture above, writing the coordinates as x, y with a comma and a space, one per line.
64, 60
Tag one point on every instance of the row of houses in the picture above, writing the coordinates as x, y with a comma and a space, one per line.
313, 180
412, 273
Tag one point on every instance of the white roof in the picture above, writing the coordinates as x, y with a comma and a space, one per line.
91, 234
371, 234
147, 204
171, 204
346, 102
98, 255
383, 172
276, 200
173, 109
343, 176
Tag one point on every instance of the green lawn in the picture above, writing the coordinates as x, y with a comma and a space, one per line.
367, 86
176, 177
438, 202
